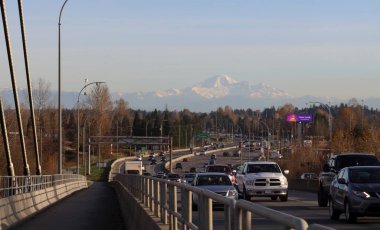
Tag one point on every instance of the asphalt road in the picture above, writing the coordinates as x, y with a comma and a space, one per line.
300, 204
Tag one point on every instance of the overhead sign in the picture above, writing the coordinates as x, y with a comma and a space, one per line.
202, 135
299, 118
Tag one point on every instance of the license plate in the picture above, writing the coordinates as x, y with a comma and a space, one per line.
268, 192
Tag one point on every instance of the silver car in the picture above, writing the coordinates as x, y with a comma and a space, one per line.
219, 183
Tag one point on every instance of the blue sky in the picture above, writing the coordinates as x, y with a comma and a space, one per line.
321, 48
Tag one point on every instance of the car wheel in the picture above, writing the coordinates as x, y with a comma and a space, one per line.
350, 217
322, 198
334, 213
284, 198
245, 195
273, 197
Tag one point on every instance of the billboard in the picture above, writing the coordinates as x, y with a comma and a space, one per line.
299, 118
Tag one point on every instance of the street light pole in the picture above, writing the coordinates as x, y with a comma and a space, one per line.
59, 94
85, 86
268, 143
239, 145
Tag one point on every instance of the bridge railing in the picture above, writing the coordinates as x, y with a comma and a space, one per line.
10, 186
161, 197
23, 196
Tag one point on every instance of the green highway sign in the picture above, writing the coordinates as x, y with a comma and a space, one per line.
202, 135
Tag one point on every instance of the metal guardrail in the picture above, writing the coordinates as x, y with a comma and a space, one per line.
10, 186
161, 197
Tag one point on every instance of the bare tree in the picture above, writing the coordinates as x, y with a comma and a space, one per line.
100, 103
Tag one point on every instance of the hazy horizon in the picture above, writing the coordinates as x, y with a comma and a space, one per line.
318, 48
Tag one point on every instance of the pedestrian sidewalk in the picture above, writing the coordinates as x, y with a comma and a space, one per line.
94, 208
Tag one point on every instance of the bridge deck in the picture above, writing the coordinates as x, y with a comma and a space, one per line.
93, 208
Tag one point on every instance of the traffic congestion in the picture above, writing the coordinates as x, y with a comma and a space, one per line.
238, 174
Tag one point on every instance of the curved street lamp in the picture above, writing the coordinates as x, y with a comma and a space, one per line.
59, 94
85, 86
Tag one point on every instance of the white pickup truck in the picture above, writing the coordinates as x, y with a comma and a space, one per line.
262, 179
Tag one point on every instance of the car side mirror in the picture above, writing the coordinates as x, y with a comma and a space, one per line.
286, 171
326, 168
342, 181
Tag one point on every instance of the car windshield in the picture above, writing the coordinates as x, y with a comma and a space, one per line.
218, 168
365, 175
213, 180
356, 161
258, 168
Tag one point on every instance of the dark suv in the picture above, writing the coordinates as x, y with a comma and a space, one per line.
335, 164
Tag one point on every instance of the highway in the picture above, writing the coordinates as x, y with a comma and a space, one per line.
300, 204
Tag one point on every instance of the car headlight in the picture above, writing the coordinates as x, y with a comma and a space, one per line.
361, 194
284, 181
232, 192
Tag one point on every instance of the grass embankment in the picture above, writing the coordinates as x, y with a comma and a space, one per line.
98, 173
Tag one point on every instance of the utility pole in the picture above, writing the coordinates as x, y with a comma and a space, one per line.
171, 154
179, 136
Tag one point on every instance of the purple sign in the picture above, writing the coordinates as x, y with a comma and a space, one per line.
299, 117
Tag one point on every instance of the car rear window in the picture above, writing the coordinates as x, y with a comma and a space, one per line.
218, 168
189, 175
213, 180
173, 176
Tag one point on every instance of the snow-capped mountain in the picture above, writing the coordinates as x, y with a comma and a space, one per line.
220, 90
222, 86
214, 92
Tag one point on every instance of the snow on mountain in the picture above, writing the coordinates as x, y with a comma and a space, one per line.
216, 91
262, 90
168, 93
222, 85
215, 87
217, 81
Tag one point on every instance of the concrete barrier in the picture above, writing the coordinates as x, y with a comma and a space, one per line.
135, 215
303, 185
167, 164
115, 169
16, 208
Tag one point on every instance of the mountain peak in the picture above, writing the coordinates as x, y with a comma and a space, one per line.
217, 81
214, 87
